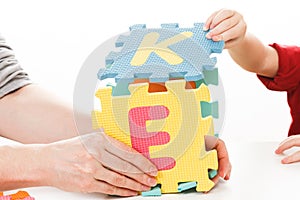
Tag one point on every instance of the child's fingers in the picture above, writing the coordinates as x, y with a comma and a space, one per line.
280, 149
287, 144
208, 22
221, 16
232, 37
295, 157
228, 30
223, 34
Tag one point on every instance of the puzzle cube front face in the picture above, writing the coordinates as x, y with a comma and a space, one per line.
168, 127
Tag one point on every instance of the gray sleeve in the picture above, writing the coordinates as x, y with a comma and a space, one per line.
12, 76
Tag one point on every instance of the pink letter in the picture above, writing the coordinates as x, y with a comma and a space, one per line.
141, 140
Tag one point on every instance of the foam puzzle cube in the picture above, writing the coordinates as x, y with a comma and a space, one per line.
167, 125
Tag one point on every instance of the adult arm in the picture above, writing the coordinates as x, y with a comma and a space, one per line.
29, 114
91, 163
34, 115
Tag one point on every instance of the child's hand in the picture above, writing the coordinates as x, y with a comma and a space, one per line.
224, 170
292, 141
227, 25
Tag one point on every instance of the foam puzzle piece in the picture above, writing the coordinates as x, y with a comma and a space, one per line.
179, 119
211, 76
209, 109
186, 186
155, 191
212, 173
20, 195
161, 54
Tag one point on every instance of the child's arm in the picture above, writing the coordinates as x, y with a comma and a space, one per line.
246, 50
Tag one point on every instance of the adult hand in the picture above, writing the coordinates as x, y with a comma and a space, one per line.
227, 25
97, 163
292, 141
223, 158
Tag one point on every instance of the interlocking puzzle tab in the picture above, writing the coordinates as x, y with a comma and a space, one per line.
167, 126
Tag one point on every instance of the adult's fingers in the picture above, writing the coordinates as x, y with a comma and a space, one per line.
223, 173
125, 168
119, 180
228, 173
224, 168
103, 187
215, 179
130, 155
295, 157
224, 162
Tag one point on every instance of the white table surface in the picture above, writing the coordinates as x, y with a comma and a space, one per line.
257, 174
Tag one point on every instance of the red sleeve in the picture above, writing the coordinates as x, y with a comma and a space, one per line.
288, 75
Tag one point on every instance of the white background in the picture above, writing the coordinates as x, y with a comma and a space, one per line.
52, 39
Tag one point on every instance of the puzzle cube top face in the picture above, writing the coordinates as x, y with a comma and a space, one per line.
159, 101
160, 55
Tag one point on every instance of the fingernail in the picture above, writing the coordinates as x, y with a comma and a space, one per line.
205, 28
208, 35
217, 38
153, 171
132, 193
152, 181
